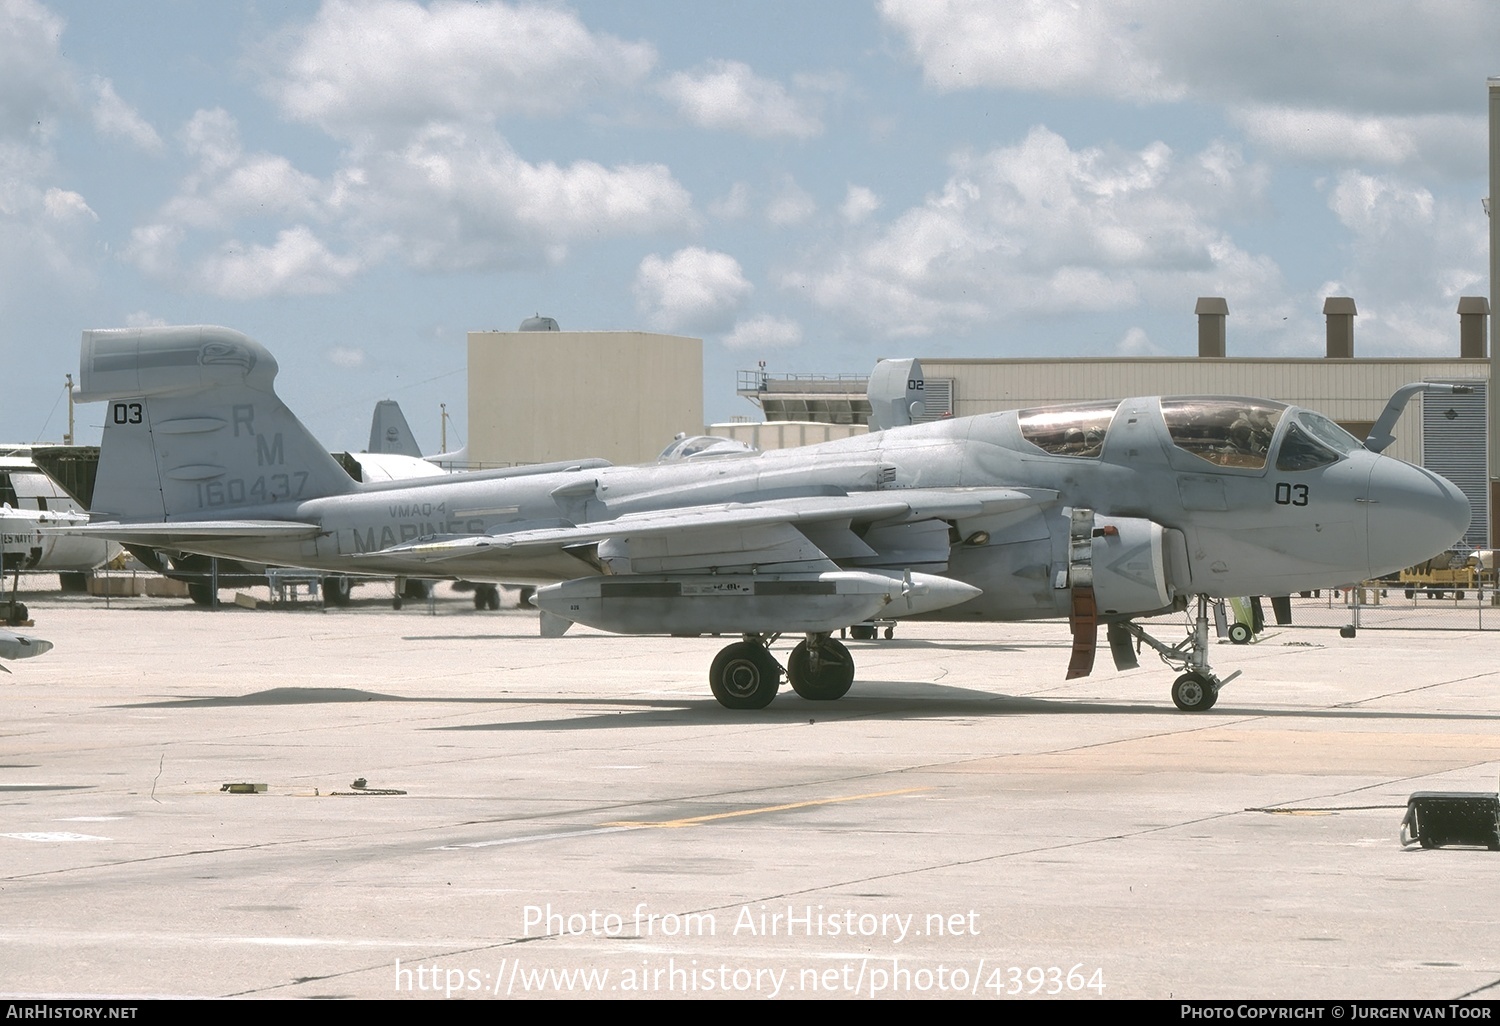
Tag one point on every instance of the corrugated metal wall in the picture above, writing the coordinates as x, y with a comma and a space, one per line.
1453, 444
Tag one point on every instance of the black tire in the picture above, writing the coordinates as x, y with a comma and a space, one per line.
1411, 592
834, 677
336, 592
73, 582
862, 632
201, 593
1194, 693
1239, 633
744, 676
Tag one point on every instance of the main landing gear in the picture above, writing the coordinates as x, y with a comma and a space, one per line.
746, 676
1198, 688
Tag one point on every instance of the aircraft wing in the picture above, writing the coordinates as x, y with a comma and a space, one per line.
165, 534
719, 535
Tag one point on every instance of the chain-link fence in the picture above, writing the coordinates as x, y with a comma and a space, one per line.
1379, 605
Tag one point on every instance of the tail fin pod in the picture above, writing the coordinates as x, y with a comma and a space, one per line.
194, 427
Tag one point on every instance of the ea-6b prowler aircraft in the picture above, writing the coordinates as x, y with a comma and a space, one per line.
1098, 512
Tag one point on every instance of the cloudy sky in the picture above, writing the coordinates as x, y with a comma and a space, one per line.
815, 185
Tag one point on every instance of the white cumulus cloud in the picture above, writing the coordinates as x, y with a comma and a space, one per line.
457, 200
347, 357
66, 206
365, 68
1035, 45
297, 264
1040, 228
859, 204
1333, 136
1411, 256
791, 205
764, 332
694, 289
728, 95
114, 117
1309, 80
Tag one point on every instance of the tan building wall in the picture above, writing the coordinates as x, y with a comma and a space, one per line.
540, 396
784, 434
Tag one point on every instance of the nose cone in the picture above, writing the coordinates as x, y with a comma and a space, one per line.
1413, 515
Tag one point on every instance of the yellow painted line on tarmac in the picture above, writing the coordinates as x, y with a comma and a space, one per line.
673, 824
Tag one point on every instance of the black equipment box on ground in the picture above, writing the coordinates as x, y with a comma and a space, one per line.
1438, 818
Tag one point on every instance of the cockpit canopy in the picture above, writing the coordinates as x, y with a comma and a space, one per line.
1068, 430
1312, 441
1232, 433
1225, 432
697, 447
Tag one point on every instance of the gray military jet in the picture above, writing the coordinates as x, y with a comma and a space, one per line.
1099, 512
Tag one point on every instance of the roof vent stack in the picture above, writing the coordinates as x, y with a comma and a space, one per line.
1211, 311
1340, 313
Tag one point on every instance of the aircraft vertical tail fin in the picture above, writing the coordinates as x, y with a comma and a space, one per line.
390, 433
194, 428
896, 391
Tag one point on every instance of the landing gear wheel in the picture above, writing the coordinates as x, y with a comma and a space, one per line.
1193, 692
335, 591
862, 632
1239, 634
835, 672
744, 676
486, 596
201, 594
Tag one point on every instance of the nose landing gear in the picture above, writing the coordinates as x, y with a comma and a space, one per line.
1198, 688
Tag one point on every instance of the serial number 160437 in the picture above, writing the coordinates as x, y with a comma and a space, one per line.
237, 491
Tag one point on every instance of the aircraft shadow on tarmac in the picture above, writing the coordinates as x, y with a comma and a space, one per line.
889, 700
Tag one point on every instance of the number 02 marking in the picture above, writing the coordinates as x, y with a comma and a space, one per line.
1290, 494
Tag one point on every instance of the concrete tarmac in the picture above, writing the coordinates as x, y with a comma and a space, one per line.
577, 817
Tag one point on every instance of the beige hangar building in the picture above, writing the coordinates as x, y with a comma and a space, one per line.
538, 395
